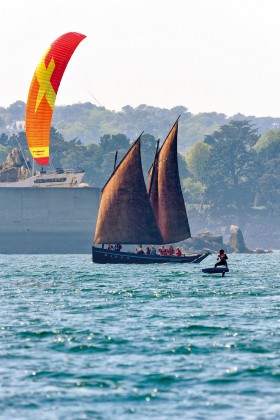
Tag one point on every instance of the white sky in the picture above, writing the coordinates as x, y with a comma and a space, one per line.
208, 55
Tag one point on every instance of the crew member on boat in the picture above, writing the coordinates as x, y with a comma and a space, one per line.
148, 250
139, 250
162, 251
171, 250
178, 252
118, 247
153, 250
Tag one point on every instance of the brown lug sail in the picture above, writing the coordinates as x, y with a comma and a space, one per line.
165, 192
125, 213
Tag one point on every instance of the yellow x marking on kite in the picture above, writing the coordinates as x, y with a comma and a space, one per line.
44, 75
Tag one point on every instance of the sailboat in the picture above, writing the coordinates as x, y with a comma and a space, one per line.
130, 213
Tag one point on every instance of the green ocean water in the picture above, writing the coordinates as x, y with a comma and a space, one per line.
85, 341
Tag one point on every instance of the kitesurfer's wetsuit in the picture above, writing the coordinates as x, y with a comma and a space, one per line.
223, 260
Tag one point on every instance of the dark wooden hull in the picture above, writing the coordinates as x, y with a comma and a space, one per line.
103, 256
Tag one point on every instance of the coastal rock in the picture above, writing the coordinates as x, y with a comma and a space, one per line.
204, 241
260, 251
13, 169
14, 159
236, 242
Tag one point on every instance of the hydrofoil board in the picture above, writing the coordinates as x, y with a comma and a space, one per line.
214, 270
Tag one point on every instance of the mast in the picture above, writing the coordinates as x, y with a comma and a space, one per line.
152, 169
116, 157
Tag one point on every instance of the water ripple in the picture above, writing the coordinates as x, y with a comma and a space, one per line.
79, 340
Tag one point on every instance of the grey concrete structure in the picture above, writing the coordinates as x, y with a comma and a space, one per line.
48, 220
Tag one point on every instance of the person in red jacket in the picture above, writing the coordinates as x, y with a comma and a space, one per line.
178, 252
171, 250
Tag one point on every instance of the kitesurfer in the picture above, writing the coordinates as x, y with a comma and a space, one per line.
221, 258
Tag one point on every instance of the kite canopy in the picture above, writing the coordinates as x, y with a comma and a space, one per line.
42, 94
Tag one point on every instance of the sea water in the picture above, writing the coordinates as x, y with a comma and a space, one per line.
85, 341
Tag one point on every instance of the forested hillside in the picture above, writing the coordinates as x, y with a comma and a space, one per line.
229, 167
88, 122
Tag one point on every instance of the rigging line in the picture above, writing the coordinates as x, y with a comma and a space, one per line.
95, 99
153, 168
84, 77
116, 157
23, 155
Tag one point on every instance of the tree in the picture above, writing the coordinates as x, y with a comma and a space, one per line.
193, 191
197, 160
111, 143
4, 139
17, 111
237, 131
269, 188
232, 169
268, 146
268, 192
148, 150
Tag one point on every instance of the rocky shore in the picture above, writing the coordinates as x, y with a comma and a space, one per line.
208, 242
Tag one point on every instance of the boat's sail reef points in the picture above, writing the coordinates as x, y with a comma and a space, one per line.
129, 214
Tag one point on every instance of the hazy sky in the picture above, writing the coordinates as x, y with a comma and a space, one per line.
208, 55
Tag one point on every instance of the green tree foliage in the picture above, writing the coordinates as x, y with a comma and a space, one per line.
112, 143
268, 186
183, 169
232, 169
193, 191
242, 132
197, 126
16, 111
148, 150
268, 146
4, 139
197, 160
89, 122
